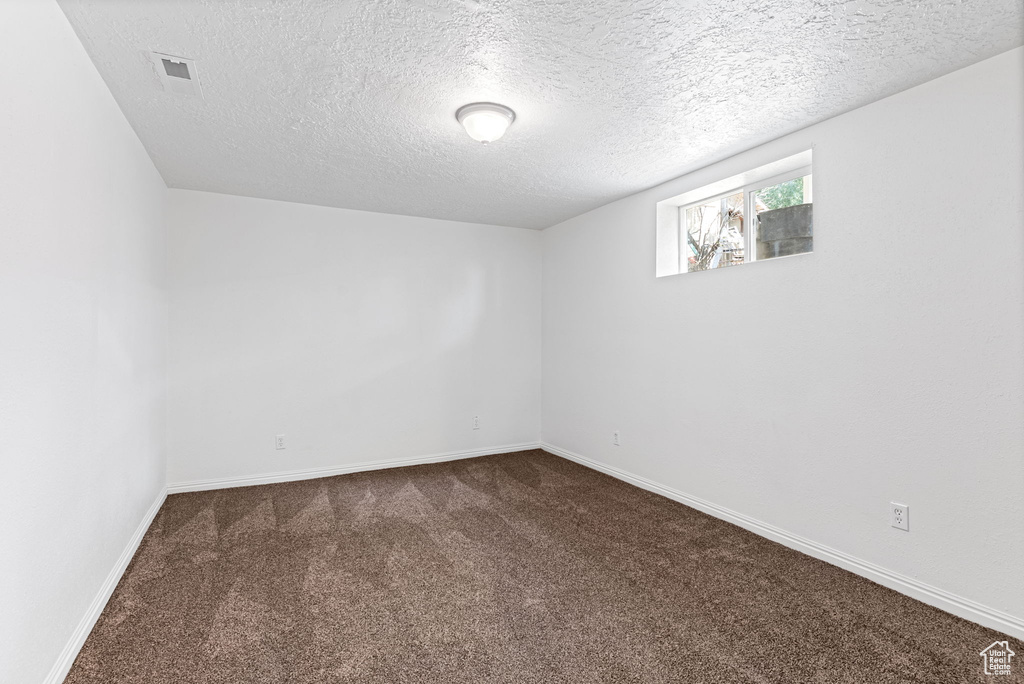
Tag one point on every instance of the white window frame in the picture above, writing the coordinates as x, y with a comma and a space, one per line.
684, 242
672, 243
750, 208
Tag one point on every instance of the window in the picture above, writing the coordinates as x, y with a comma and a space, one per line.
758, 215
716, 234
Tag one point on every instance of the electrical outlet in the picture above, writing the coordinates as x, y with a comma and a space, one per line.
279, 442
615, 438
476, 422
900, 515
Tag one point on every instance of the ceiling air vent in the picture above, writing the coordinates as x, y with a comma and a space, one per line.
177, 74
176, 69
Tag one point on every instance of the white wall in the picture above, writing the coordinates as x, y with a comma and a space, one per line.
808, 392
82, 340
360, 336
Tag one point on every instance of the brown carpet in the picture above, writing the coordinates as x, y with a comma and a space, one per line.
513, 568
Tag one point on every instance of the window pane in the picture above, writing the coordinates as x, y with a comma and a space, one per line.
784, 218
714, 233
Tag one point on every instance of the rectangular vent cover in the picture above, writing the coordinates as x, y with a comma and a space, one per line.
177, 74
176, 69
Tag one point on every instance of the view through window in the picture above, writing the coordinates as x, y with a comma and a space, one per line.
760, 221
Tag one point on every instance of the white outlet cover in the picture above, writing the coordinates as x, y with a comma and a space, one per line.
899, 515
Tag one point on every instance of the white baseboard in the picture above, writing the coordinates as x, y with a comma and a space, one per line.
292, 475
67, 657
933, 596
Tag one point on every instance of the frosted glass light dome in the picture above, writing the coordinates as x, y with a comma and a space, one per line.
485, 121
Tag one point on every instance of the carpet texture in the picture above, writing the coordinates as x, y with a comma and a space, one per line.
513, 568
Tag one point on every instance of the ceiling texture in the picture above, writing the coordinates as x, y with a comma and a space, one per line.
351, 103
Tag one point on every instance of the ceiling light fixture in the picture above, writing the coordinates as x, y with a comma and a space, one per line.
485, 121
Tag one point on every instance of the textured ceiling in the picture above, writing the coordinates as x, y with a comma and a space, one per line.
351, 103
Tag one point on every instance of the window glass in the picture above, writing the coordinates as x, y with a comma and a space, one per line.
715, 233
757, 214
783, 218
